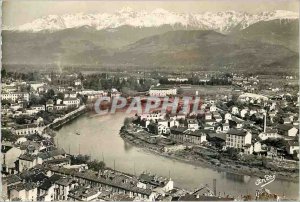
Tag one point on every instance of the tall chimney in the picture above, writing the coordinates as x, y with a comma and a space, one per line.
265, 122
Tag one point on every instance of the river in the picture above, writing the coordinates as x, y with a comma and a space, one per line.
100, 139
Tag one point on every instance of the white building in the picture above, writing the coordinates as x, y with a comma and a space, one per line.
14, 96
27, 161
235, 110
213, 108
9, 156
161, 91
181, 116
251, 96
177, 116
162, 129
62, 188
163, 122
252, 111
38, 107
16, 106
227, 116
257, 147
36, 85
24, 191
30, 111
243, 112
287, 130
71, 102
35, 109
27, 129
7, 89
225, 127
292, 146
58, 101
248, 149
269, 133
172, 123
152, 116
77, 82
238, 138
46, 191
60, 107
93, 94
189, 136
178, 79
70, 95
61, 89
208, 116
192, 124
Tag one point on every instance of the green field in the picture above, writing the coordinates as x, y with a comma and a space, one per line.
206, 90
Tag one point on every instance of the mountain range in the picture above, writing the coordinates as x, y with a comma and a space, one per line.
224, 21
208, 41
203, 49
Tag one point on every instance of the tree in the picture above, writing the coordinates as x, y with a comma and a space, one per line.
96, 165
80, 76
80, 159
181, 121
247, 116
7, 135
60, 95
127, 122
21, 120
34, 100
278, 143
6, 102
25, 88
84, 99
230, 103
232, 153
50, 94
3, 73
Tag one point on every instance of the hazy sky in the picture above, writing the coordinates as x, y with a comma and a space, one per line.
16, 12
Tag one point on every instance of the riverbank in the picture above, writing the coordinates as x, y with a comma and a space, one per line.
100, 138
59, 122
187, 156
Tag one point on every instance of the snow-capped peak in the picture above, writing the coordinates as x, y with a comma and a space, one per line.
126, 10
160, 11
223, 21
282, 14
